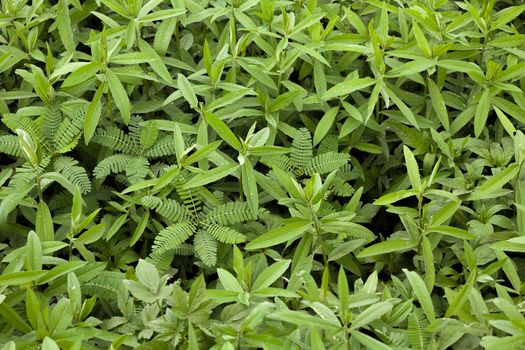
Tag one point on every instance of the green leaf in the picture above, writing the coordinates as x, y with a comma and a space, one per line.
438, 103
270, 275
422, 294
33, 252
147, 274
325, 124
187, 91
82, 74
371, 314
211, 175
347, 87
412, 169
223, 131
21, 277
482, 112
279, 235
369, 342
495, 182
120, 95
461, 296
452, 232
395, 196
64, 25
44, 223
93, 111
249, 185
444, 213
389, 246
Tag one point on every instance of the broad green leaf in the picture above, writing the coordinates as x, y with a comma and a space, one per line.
64, 25
93, 112
412, 169
223, 131
495, 182
270, 275
444, 213
187, 91
21, 277
279, 235
369, 342
325, 124
389, 246
461, 296
395, 196
371, 314
119, 95
33, 252
228, 281
249, 185
438, 103
211, 175
347, 87
482, 112
44, 223
422, 294
452, 232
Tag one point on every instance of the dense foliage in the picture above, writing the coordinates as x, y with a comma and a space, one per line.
226, 174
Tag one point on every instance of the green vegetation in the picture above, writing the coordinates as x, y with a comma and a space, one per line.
262, 174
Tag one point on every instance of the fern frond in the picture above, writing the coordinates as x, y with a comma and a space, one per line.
189, 196
301, 148
70, 168
69, 132
162, 148
51, 121
418, 337
347, 172
105, 285
170, 209
205, 248
329, 144
282, 161
14, 122
9, 145
113, 164
341, 188
60, 200
326, 162
21, 176
171, 237
231, 213
148, 135
135, 128
184, 249
115, 139
137, 169
225, 234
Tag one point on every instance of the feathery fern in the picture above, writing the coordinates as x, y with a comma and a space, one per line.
69, 132
116, 163
418, 337
225, 234
301, 148
170, 238
230, 213
169, 208
326, 162
162, 148
9, 145
115, 139
70, 168
205, 248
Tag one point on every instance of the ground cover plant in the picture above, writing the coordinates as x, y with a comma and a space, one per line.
262, 174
